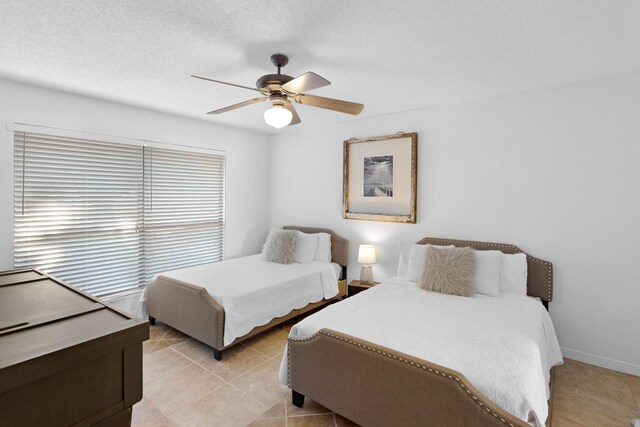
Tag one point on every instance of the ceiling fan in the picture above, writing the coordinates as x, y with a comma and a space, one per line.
280, 89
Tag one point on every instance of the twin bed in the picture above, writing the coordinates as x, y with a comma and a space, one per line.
222, 304
393, 355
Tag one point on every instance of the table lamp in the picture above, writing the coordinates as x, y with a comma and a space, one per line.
366, 257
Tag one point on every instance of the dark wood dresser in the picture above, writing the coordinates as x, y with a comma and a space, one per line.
66, 358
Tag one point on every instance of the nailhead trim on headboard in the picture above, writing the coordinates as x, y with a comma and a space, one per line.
548, 292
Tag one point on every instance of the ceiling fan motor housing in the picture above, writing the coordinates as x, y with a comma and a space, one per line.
272, 81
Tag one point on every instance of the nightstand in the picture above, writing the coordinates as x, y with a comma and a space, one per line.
355, 286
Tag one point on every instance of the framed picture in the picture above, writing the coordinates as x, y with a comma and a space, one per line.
380, 178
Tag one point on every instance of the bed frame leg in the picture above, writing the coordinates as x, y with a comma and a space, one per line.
152, 320
297, 399
217, 354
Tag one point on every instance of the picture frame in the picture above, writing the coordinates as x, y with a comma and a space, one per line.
380, 178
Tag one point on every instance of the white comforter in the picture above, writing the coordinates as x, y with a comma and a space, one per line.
504, 345
253, 291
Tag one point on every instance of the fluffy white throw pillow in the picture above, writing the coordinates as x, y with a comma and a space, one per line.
279, 246
417, 255
448, 271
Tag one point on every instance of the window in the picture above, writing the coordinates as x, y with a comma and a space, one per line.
107, 217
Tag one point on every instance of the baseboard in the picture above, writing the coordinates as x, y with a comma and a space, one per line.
603, 362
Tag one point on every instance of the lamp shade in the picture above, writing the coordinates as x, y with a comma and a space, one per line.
367, 254
278, 116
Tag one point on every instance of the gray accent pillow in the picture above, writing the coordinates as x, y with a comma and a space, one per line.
449, 271
279, 246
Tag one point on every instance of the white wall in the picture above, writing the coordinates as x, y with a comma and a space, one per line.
247, 171
555, 171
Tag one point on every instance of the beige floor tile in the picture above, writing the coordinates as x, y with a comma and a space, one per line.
194, 349
160, 363
574, 405
270, 422
151, 346
174, 334
634, 386
165, 334
157, 331
225, 407
311, 421
563, 422
276, 411
139, 410
151, 416
309, 407
235, 361
343, 422
262, 383
181, 387
601, 384
173, 341
270, 343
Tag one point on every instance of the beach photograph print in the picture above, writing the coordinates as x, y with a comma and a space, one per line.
378, 176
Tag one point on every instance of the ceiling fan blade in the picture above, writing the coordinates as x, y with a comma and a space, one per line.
296, 119
330, 104
306, 82
238, 105
225, 83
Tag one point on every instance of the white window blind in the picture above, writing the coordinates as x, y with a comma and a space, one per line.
107, 217
184, 209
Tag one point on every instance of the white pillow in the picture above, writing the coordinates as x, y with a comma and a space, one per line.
513, 274
305, 247
323, 251
417, 256
487, 273
403, 260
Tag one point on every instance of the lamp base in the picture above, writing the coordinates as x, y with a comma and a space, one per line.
366, 274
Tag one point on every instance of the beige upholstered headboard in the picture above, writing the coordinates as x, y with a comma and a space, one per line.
539, 272
339, 246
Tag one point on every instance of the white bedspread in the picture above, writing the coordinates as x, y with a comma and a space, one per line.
504, 345
253, 291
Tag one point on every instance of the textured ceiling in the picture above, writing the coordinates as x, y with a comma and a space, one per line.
391, 56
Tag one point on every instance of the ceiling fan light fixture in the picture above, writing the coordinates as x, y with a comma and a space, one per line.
278, 116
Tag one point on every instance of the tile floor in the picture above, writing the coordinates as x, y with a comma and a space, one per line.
185, 386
